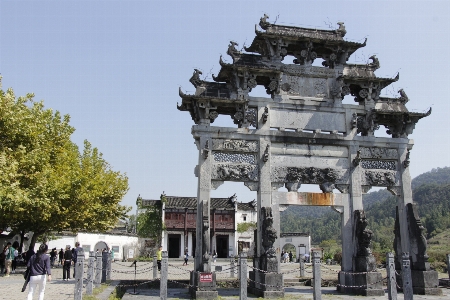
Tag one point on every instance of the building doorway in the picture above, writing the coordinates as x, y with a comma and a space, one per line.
222, 246
100, 246
174, 245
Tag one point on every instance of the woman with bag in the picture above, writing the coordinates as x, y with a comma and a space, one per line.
39, 265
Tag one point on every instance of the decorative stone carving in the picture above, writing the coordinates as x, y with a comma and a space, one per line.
235, 145
215, 184
307, 71
305, 56
395, 190
265, 114
375, 64
406, 162
327, 187
306, 175
357, 159
263, 22
363, 234
269, 234
365, 188
367, 124
206, 150
354, 121
309, 175
195, 78
234, 157
213, 115
232, 51
403, 97
343, 188
379, 164
277, 185
252, 185
235, 172
336, 89
345, 91
341, 30
379, 178
272, 87
266, 154
378, 153
250, 116
417, 239
292, 186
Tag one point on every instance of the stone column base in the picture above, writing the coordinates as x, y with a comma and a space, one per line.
365, 284
271, 285
203, 290
424, 282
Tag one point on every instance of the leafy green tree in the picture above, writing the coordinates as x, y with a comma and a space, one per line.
46, 184
149, 221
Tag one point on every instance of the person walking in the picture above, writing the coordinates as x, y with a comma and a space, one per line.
9, 252
75, 255
60, 257
39, 265
67, 262
15, 245
186, 258
159, 257
290, 256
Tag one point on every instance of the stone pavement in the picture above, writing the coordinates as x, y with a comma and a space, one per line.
290, 293
58, 289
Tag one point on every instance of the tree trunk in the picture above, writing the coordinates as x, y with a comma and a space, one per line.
34, 238
22, 236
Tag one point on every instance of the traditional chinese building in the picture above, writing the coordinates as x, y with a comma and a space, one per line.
179, 217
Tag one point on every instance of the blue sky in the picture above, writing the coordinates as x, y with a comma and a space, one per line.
115, 67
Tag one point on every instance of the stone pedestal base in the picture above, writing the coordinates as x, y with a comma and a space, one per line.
203, 285
366, 284
424, 282
271, 284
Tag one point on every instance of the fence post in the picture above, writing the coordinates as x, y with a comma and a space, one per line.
163, 280
104, 265
155, 267
406, 277
391, 280
232, 266
98, 269
108, 266
243, 276
79, 270
316, 276
90, 273
302, 265
448, 269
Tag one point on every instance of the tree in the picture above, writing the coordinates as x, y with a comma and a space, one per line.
46, 184
149, 222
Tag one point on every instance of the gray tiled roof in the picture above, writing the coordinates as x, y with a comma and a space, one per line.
191, 202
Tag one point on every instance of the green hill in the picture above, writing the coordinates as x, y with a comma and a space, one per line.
431, 193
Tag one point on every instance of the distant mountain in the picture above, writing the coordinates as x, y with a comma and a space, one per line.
431, 193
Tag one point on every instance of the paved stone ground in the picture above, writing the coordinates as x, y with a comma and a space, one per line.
58, 289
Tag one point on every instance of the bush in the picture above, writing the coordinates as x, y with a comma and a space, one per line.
338, 257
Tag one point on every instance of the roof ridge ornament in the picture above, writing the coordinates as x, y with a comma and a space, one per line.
195, 78
263, 22
341, 30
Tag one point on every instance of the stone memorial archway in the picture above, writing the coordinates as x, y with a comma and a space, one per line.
304, 134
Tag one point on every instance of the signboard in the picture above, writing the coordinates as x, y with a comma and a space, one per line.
205, 277
130, 253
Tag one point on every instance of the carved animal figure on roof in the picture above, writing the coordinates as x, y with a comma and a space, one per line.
341, 30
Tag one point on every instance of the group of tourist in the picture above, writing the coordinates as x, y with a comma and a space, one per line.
286, 257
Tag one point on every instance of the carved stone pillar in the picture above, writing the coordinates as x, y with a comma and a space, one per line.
203, 281
409, 237
270, 284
